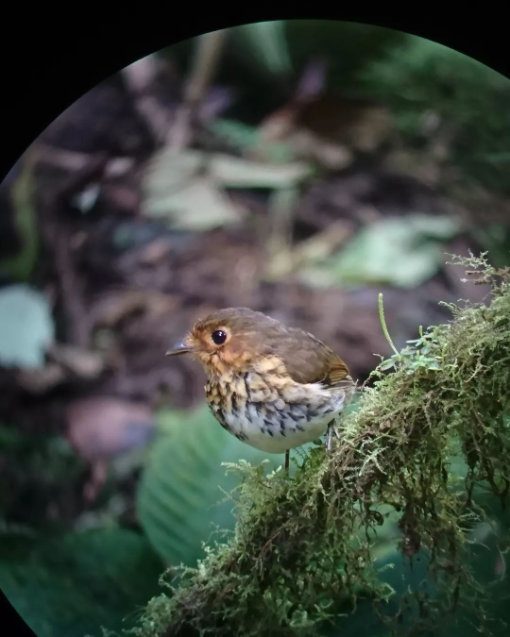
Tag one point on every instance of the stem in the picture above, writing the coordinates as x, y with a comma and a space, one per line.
384, 327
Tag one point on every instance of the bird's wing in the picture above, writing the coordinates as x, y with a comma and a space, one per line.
309, 360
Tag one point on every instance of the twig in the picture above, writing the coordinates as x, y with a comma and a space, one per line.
139, 78
56, 237
71, 291
207, 55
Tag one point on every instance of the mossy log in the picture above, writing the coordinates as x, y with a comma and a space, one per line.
303, 545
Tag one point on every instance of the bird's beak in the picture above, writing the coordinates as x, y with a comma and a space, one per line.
179, 348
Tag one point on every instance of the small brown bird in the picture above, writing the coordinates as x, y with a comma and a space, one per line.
273, 387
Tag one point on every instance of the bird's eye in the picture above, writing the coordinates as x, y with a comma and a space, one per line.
219, 337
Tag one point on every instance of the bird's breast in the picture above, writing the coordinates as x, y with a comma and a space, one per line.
273, 413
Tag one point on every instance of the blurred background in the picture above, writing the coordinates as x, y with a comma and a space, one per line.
295, 167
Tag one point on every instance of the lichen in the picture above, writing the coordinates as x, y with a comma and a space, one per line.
303, 548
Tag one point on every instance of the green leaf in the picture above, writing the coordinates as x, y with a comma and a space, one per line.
26, 326
402, 251
264, 44
242, 136
247, 139
182, 495
20, 266
72, 585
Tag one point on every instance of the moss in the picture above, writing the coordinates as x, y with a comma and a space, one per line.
303, 546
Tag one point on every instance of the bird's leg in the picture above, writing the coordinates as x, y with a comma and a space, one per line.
287, 458
331, 432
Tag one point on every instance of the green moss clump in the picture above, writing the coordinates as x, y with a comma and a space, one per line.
303, 547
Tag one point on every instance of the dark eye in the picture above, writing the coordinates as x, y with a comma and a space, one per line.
219, 336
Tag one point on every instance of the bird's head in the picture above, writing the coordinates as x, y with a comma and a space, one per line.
228, 340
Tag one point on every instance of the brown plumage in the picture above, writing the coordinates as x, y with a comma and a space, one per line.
274, 387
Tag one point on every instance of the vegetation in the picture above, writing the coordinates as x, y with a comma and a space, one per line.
303, 548
301, 168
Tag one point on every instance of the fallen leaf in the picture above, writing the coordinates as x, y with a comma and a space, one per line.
402, 251
26, 327
188, 188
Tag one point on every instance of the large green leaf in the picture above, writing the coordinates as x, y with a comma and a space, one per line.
182, 496
72, 585
406, 576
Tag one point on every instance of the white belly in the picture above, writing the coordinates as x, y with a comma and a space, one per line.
257, 434
280, 421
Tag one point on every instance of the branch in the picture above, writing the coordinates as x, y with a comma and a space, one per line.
303, 549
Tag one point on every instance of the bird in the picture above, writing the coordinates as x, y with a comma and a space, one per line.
273, 387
